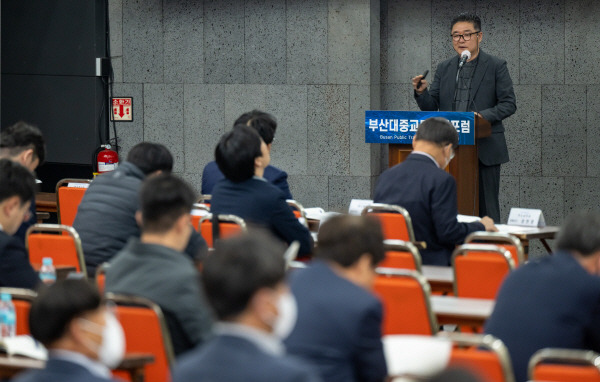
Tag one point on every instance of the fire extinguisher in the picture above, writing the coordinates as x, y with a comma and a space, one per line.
107, 160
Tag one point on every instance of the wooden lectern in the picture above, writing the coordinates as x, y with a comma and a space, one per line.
464, 167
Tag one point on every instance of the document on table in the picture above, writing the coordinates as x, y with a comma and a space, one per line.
515, 229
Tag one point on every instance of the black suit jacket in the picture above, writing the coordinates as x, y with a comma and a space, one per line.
235, 359
15, 269
338, 327
259, 202
278, 178
552, 302
429, 195
491, 95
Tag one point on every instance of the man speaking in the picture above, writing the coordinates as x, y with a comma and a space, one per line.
482, 85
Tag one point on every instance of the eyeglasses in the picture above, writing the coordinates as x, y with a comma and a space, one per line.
465, 36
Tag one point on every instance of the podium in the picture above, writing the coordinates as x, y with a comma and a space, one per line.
465, 165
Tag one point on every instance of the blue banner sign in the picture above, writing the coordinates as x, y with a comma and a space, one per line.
383, 126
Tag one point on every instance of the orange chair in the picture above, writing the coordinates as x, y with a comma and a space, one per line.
503, 240
229, 225
479, 270
68, 199
484, 355
101, 276
145, 332
198, 211
405, 296
22, 299
564, 365
395, 221
58, 241
298, 211
401, 254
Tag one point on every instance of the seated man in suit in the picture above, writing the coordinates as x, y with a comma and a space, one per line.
155, 267
339, 320
265, 125
242, 157
244, 282
83, 338
105, 218
553, 301
24, 144
428, 193
16, 191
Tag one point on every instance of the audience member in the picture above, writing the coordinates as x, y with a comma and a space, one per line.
265, 125
428, 193
339, 320
24, 144
105, 218
83, 337
244, 282
16, 191
553, 301
153, 266
242, 157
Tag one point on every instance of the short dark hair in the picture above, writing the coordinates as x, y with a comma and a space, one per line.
150, 157
467, 17
239, 267
164, 199
236, 152
56, 306
15, 180
20, 137
580, 233
264, 124
439, 131
343, 239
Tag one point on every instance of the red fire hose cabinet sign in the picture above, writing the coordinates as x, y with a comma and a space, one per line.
122, 109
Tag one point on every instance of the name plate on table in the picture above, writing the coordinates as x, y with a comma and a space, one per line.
357, 205
382, 126
527, 217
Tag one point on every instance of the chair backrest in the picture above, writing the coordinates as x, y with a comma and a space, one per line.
58, 241
484, 355
564, 365
22, 299
406, 307
298, 211
229, 225
395, 221
68, 199
501, 239
401, 254
101, 276
145, 332
198, 211
479, 270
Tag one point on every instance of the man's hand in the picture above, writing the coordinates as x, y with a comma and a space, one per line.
488, 223
421, 88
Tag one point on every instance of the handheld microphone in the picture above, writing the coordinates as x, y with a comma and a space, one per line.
464, 56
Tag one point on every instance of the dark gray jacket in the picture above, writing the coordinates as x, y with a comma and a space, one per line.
106, 216
168, 278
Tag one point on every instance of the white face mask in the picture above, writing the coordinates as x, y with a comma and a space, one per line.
112, 348
288, 313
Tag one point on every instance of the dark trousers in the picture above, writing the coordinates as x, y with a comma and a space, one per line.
489, 189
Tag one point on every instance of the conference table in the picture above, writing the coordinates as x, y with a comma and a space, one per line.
471, 312
132, 363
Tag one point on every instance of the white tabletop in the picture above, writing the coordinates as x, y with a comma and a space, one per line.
460, 306
438, 273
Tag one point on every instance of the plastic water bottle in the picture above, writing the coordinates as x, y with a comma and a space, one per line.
8, 316
47, 271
